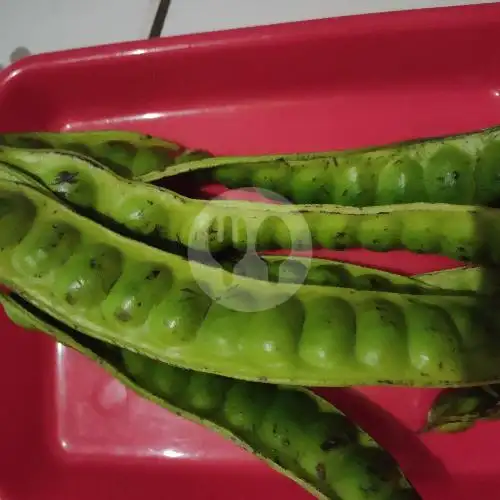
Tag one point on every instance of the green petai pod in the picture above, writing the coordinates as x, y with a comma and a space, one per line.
295, 432
463, 280
129, 154
456, 410
170, 221
127, 293
462, 170
316, 271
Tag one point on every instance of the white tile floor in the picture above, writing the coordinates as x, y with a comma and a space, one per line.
47, 25
191, 16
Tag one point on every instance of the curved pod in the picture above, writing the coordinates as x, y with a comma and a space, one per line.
292, 430
107, 286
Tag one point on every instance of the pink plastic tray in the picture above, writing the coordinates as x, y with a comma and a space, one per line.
69, 431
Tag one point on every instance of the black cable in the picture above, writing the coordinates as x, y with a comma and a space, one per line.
160, 17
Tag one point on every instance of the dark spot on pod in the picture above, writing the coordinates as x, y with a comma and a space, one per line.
153, 274
455, 175
149, 202
424, 374
330, 444
324, 190
321, 471
376, 282
93, 263
344, 193
440, 365
123, 316
335, 161
66, 177
262, 379
286, 442
463, 254
413, 290
70, 299
275, 429
386, 382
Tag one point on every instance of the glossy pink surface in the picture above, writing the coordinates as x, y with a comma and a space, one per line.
69, 431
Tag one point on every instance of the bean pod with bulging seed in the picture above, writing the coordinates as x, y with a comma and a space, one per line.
143, 299
129, 147
461, 169
129, 154
290, 269
473, 233
456, 410
292, 430
314, 271
324, 272
463, 280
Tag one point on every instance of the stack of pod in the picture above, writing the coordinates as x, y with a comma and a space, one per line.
96, 254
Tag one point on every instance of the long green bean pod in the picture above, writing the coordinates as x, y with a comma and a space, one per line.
295, 432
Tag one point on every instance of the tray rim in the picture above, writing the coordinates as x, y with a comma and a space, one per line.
440, 18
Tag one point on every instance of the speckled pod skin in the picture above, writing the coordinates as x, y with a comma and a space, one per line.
328, 273
460, 169
473, 233
127, 150
456, 410
133, 295
292, 430
129, 154
462, 280
324, 272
